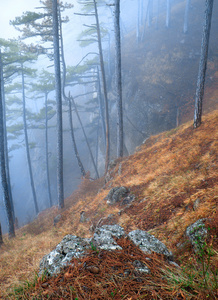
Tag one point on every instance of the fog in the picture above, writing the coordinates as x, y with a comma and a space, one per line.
159, 74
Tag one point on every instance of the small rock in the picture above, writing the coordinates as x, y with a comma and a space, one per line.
93, 269
196, 204
82, 216
116, 194
57, 219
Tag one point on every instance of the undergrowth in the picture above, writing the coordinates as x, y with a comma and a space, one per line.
111, 275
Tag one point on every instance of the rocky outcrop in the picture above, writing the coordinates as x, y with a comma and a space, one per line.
105, 239
197, 234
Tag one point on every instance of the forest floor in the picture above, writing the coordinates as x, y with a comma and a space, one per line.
173, 176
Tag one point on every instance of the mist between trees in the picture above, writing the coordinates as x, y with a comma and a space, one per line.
87, 82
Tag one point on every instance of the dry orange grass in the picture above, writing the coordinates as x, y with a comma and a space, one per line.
167, 174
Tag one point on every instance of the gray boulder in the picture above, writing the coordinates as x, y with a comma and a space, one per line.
148, 243
116, 194
71, 246
197, 234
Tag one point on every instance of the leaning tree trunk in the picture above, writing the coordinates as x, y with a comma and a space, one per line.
4, 182
203, 63
185, 26
104, 89
118, 80
27, 145
60, 181
85, 136
46, 150
80, 164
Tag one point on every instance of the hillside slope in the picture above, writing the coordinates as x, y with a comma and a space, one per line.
173, 177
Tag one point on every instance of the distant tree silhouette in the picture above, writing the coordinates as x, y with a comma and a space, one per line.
203, 63
27, 142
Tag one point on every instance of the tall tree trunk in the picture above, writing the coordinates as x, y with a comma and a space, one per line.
6, 141
185, 26
60, 181
107, 158
168, 12
101, 106
4, 182
203, 63
118, 80
27, 144
46, 150
84, 133
82, 170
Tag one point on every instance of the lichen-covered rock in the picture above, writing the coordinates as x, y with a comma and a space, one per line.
71, 246
116, 194
148, 243
104, 237
197, 233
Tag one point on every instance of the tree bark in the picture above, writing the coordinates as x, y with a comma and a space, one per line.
118, 80
203, 63
60, 181
4, 182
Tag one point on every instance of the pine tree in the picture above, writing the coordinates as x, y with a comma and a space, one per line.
4, 182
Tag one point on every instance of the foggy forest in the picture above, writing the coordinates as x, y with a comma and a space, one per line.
55, 136
101, 97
